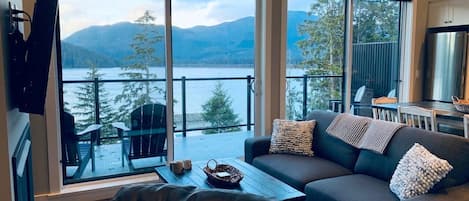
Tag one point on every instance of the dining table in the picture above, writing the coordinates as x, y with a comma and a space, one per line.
446, 113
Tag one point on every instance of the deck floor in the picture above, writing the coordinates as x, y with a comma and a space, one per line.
196, 148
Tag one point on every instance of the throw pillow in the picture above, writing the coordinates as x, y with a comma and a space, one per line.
292, 137
417, 172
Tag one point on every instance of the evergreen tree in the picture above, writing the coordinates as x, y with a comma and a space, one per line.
135, 94
85, 107
375, 21
218, 112
293, 101
323, 50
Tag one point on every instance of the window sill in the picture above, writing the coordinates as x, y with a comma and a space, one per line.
96, 190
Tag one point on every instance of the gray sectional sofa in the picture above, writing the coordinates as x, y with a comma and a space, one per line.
340, 172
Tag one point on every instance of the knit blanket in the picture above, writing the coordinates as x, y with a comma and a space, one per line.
363, 132
378, 135
349, 128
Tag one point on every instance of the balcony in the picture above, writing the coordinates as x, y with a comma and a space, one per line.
189, 141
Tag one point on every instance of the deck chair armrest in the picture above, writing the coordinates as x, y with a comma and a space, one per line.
90, 129
155, 131
120, 126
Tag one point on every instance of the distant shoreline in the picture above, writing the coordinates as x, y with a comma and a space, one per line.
179, 65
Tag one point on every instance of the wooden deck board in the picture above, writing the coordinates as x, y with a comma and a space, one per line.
196, 148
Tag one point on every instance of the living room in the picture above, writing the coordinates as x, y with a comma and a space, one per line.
265, 100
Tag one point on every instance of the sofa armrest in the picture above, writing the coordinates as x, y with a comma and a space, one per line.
256, 146
457, 193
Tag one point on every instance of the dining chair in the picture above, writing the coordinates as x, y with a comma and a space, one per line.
392, 93
466, 125
417, 117
382, 113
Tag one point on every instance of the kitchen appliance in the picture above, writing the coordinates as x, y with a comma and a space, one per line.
445, 70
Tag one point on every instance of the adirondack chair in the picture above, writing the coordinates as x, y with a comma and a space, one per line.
77, 147
146, 136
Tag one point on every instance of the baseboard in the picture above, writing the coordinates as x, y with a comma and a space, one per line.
98, 190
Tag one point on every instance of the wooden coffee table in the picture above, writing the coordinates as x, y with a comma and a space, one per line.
255, 181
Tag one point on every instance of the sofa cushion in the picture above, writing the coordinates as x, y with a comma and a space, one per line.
356, 187
449, 147
292, 137
329, 147
297, 170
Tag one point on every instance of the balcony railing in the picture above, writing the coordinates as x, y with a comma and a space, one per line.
305, 82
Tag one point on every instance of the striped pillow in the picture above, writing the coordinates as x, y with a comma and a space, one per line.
292, 137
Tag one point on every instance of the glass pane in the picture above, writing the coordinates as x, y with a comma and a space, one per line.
375, 64
315, 56
213, 51
113, 70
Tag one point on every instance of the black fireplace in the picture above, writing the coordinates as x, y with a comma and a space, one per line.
22, 168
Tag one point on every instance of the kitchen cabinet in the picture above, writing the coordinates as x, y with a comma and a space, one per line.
448, 13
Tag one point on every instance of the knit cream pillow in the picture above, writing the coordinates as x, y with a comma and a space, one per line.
417, 172
292, 137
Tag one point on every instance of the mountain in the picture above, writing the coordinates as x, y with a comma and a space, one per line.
225, 43
77, 57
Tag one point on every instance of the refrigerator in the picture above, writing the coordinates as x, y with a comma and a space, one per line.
446, 64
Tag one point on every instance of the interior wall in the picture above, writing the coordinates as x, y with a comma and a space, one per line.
270, 50
39, 135
12, 122
414, 51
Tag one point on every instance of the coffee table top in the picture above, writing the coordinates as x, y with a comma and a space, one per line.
255, 181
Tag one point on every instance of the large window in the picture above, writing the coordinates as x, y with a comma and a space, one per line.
375, 52
113, 75
213, 65
113, 84
315, 56
114, 70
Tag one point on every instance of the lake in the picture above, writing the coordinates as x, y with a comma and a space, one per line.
197, 92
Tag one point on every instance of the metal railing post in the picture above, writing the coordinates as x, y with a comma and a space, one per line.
248, 95
183, 91
305, 95
96, 108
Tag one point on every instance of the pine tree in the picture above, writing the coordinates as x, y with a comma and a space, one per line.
135, 94
323, 50
293, 101
218, 112
86, 103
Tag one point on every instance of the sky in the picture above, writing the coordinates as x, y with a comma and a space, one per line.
79, 14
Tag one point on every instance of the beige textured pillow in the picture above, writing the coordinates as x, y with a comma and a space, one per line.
292, 137
417, 172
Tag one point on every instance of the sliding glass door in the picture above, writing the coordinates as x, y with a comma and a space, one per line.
315, 56
316, 49
213, 69
113, 88
375, 53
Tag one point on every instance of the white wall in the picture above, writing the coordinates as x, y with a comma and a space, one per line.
12, 122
